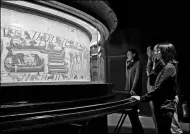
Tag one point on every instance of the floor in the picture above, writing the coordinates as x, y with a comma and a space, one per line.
147, 123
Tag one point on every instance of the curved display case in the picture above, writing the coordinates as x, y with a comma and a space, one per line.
54, 64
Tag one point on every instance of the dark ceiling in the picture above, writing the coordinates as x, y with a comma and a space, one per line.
150, 14
155, 21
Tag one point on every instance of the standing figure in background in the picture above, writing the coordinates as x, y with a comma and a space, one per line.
134, 87
163, 91
175, 126
149, 86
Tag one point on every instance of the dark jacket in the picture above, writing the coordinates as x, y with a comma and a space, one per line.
163, 90
153, 73
133, 78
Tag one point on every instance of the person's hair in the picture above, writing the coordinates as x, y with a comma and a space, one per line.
151, 47
168, 52
134, 51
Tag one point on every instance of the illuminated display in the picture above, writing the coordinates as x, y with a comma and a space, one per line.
38, 49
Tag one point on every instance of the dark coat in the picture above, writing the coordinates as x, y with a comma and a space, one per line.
163, 91
133, 78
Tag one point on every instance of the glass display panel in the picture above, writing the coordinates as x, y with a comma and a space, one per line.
37, 49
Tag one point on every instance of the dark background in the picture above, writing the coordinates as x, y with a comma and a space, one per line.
142, 24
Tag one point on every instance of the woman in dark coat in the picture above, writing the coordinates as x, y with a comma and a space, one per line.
133, 87
163, 91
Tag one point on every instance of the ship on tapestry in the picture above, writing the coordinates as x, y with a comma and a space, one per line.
35, 56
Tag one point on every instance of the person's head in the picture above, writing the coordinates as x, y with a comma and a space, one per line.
157, 53
132, 55
165, 51
149, 52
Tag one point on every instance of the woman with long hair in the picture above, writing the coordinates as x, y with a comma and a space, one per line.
163, 90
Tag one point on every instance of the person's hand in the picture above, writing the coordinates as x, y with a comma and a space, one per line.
149, 53
176, 100
136, 97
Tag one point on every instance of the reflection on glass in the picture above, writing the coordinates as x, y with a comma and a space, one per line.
97, 63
